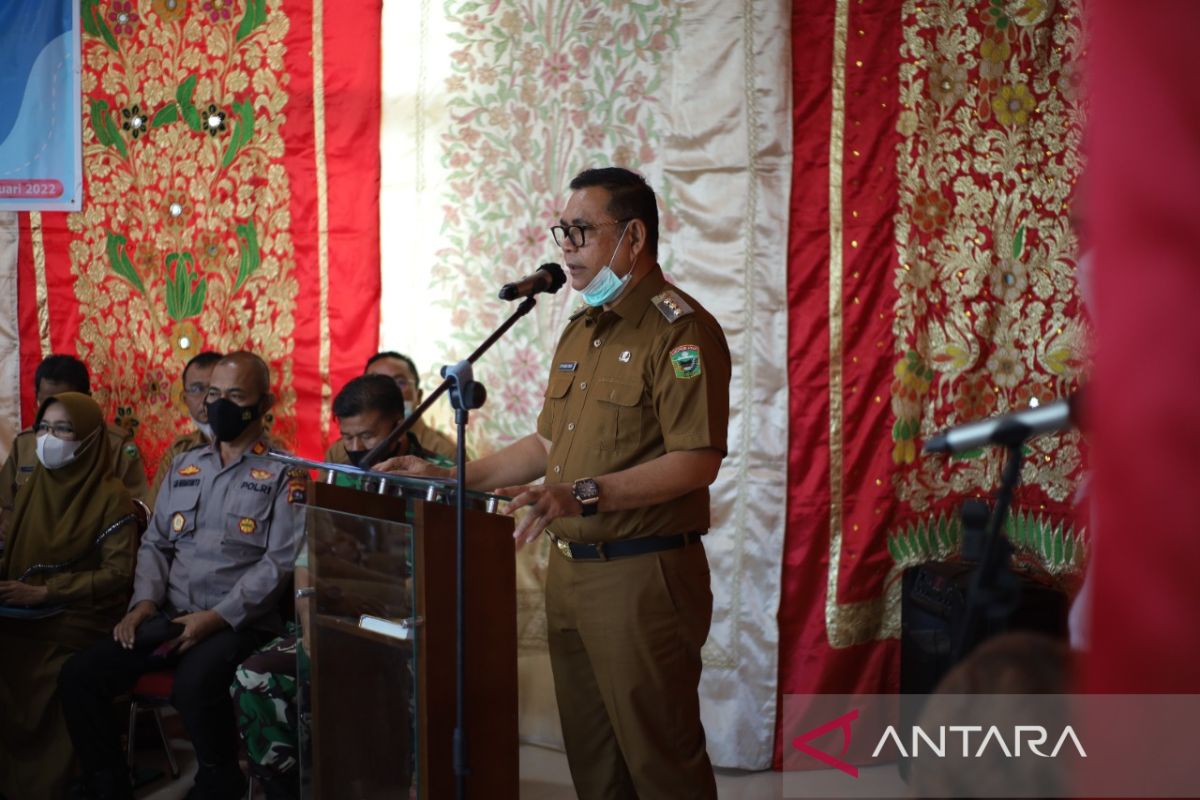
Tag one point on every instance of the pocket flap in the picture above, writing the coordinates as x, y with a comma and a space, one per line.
558, 386
619, 393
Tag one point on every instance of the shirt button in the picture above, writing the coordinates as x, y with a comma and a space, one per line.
570, 426
557, 470
596, 343
583, 385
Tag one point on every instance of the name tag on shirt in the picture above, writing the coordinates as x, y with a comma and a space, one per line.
568, 366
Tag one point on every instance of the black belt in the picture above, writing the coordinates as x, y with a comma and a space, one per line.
623, 548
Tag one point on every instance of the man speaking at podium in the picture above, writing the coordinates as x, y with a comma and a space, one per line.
630, 436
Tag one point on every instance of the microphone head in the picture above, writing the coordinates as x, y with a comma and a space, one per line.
557, 277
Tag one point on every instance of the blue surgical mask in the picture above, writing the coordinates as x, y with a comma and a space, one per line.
606, 286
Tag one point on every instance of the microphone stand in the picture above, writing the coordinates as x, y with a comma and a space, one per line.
465, 394
377, 453
994, 591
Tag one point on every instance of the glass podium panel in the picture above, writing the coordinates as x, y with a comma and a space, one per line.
357, 658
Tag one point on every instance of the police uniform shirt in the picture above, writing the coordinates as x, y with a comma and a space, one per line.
647, 377
222, 537
184, 442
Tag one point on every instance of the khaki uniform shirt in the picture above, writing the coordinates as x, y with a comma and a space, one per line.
648, 377
435, 441
188, 441
223, 538
127, 466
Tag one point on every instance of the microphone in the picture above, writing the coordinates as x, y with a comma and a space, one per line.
1009, 429
549, 278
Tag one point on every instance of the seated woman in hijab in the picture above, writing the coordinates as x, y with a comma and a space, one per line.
64, 581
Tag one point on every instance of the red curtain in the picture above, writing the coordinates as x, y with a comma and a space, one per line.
231, 168
931, 282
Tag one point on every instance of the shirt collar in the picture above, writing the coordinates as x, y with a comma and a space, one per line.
633, 305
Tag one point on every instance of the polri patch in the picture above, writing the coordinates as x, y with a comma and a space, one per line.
686, 361
247, 525
190, 469
261, 474
568, 366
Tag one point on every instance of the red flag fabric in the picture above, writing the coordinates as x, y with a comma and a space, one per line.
228, 205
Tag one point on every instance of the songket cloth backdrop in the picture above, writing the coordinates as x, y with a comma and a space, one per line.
931, 282
230, 161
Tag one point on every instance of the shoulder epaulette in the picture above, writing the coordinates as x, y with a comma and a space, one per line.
671, 305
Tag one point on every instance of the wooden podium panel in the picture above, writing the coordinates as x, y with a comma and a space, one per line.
367, 753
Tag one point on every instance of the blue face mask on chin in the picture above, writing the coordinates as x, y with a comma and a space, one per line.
606, 286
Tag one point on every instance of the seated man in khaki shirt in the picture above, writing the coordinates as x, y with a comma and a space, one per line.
196, 375
56, 374
403, 371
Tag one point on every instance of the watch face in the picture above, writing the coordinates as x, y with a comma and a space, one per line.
586, 489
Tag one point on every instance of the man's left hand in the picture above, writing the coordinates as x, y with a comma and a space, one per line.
547, 502
15, 593
197, 627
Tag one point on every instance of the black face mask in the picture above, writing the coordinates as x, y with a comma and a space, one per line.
356, 456
229, 420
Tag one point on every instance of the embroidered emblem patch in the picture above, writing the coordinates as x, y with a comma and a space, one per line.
178, 521
261, 474
247, 525
686, 361
297, 491
190, 469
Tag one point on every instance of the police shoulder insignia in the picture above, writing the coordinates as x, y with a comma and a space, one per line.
297, 491
247, 525
261, 474
671, 305
685, 359
190, 469
298, 473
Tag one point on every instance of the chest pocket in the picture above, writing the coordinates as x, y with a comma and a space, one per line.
557, 390
248, 520
181, 506
620, 411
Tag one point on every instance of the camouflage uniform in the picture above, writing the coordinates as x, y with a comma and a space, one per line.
264, 696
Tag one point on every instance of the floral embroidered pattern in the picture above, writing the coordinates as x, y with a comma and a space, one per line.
539, 91
988, 318
183, 244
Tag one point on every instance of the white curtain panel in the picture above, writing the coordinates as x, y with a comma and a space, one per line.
488, 111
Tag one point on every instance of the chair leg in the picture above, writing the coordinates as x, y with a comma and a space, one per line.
162, 734
133, 709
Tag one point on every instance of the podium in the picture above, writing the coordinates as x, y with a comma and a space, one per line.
375, 606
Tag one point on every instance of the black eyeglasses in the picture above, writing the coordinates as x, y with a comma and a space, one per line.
575, 233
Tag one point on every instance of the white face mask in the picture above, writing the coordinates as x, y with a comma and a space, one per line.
54, 452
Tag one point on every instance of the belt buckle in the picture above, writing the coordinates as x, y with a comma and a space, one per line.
564, 547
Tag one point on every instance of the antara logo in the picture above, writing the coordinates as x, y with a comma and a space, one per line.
1029, 737
1033, 736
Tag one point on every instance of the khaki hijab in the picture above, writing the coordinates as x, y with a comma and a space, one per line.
59, 513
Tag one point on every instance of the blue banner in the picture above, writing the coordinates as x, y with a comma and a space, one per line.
41, 165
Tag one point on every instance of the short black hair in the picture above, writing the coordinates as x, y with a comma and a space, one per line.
393, 354
208, 358
630, 197
63, 369
368, 393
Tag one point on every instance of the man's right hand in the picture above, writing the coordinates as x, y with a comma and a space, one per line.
125, 630
411, 465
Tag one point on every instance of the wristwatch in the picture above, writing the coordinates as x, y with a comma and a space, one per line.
587, 492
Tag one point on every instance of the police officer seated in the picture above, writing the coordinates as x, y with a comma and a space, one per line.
220, 547
54, 375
